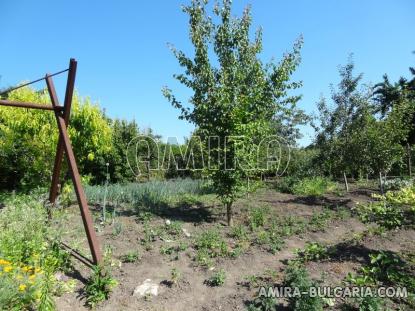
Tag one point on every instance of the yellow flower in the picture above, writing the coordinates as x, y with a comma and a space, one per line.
32, 277
26, 268
8, 268
22, 287
4, 262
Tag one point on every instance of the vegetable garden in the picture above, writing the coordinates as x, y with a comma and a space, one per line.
218, 229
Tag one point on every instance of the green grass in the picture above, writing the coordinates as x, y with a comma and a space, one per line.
136, 193
314, 186
30, 254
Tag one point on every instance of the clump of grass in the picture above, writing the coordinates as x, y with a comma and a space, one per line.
145, 195
314, 186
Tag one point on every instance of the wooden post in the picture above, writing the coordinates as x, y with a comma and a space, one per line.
345, 182
380, 182
76, 178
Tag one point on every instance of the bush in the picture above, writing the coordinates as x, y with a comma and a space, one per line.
286, 184
210, 244
397, 184
28, 139
392, 210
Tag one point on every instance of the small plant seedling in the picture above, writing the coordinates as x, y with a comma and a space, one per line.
218, 279
258, 217
117, 229
252, 280
99, 286
239, 232
313, 251
175, 276
130, 257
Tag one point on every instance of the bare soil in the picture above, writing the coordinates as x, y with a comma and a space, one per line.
191, 292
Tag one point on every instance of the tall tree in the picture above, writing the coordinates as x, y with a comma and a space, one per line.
236, 97
350, 109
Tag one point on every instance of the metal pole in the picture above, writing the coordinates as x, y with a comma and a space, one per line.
9, 103
76, 178
70, 84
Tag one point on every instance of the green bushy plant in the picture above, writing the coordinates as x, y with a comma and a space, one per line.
263, 303
131, 257
99, 286
258, 217
313, 251
218, 279
211, 244
314, 186
392, 210
296, 276
30, 255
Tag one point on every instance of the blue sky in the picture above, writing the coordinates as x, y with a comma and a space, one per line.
121, 47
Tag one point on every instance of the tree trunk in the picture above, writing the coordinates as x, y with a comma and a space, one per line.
229, 214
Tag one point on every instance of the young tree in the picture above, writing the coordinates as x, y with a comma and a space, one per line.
237, 99
341, 147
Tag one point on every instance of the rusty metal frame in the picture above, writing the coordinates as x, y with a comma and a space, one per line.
62, 114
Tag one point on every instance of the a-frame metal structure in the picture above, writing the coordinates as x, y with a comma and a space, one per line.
62, 114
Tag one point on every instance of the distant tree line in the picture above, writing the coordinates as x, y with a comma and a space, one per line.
365, 130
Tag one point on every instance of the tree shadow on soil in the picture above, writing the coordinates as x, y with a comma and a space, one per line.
193, 213
186, 213
330, 203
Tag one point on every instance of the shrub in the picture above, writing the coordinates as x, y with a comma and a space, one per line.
286, 184
210, 244
131, 257
392, 210
397, 184
263, 303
